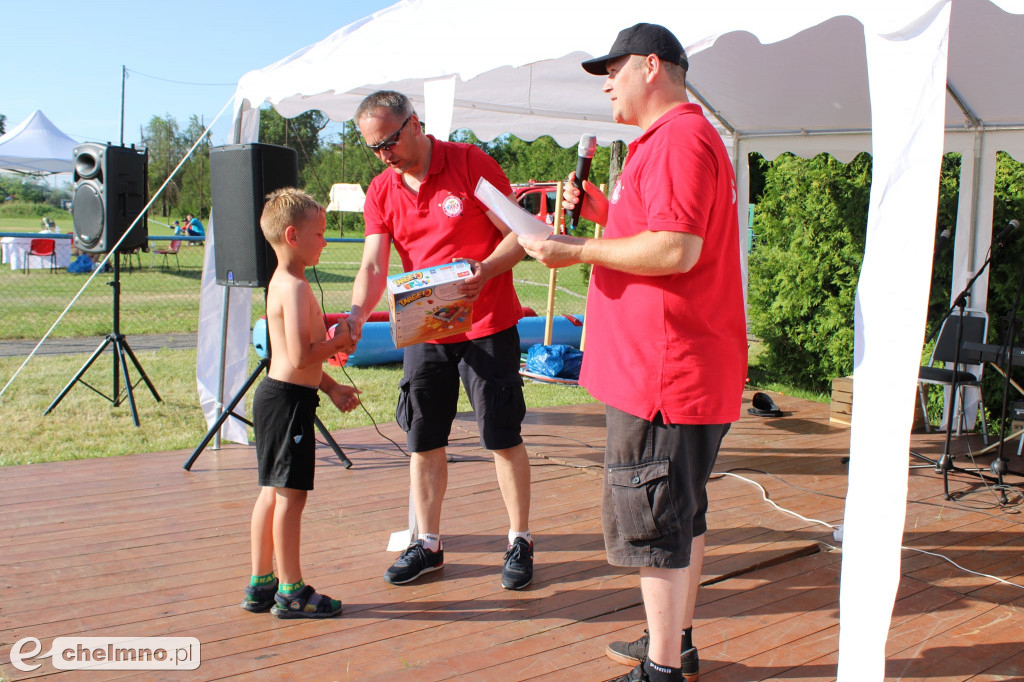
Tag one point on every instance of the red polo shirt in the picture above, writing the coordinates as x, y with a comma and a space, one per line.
444, 220
674, 344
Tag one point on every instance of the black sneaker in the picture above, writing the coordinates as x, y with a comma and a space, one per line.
637, 674
414, 562
628, 653
632, 653
518, 571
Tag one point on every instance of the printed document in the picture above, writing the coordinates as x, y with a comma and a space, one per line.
512, 214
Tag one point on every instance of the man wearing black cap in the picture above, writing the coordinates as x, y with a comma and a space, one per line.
669, 353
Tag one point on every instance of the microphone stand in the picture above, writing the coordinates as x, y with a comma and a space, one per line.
999, 466
945, 463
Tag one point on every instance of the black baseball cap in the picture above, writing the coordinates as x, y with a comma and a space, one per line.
642, 39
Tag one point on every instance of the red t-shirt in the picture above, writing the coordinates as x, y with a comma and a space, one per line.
444, 220
674, 344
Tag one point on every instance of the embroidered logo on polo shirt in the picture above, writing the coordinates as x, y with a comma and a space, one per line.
452, 206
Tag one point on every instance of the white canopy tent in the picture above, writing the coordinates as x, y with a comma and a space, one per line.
904, 80
37, 147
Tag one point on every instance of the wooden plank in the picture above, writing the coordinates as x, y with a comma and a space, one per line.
140, 530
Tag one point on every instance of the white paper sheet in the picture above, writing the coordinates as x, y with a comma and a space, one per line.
512, 214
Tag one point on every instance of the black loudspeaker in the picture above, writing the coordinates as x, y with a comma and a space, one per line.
242, 175
109, 193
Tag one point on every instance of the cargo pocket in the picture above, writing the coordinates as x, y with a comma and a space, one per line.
505, 403
642, 501
403, 411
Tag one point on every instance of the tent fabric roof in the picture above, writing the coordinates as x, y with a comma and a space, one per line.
749, 67
36, 146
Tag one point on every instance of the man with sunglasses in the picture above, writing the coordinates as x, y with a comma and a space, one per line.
424, 204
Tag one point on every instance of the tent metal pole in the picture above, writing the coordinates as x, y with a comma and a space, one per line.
975, 184
236, 136
225, 309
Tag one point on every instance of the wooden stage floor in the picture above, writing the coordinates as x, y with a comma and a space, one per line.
135, 546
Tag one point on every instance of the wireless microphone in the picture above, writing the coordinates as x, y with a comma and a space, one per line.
1003, 236
585, 156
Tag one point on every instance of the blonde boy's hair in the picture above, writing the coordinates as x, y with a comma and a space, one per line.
285, 207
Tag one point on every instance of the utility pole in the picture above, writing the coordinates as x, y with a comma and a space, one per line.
124, 77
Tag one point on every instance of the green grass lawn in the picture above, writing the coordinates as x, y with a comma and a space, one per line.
86, 425
157, 300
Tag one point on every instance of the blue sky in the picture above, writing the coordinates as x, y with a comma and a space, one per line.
65, 57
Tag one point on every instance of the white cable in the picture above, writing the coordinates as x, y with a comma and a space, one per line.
764, 496
838, 529
945, 558
113, 250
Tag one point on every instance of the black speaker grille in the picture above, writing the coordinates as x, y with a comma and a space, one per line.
241, 176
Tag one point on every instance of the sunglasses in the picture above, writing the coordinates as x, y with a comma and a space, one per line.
391, 141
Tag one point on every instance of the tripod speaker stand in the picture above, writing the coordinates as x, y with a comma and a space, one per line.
229, 412
120, 349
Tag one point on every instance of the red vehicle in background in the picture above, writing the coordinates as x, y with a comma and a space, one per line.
538, 198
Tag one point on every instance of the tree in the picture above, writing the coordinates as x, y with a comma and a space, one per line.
163, 141
541, 160
194, 176
346, 161
3, 119
811, 225
301, 133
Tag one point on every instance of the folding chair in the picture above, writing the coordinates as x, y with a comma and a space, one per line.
172, 249
975, 329
44, 248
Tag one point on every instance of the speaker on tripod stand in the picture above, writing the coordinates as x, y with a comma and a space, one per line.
241, 177
109, 195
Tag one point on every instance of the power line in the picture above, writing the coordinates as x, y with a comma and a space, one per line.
168, 80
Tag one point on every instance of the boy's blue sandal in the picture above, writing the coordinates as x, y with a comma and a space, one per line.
259, 598
306, 603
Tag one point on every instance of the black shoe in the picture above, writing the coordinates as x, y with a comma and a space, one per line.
518, 571
637, 674
629, 653
632, 653
414, 562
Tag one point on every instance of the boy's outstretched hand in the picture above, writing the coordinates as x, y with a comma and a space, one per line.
344, 397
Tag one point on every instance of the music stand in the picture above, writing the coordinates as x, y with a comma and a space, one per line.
120, 349
945, 463
999, 465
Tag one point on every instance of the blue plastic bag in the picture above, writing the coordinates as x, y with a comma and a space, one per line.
81, 264
554, 361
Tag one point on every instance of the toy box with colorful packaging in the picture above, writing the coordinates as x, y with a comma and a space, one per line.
427, 304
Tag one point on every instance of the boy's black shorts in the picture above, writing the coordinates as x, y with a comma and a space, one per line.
429, 391
283, 418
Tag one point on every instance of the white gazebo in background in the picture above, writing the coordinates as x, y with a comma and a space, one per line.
37, 147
